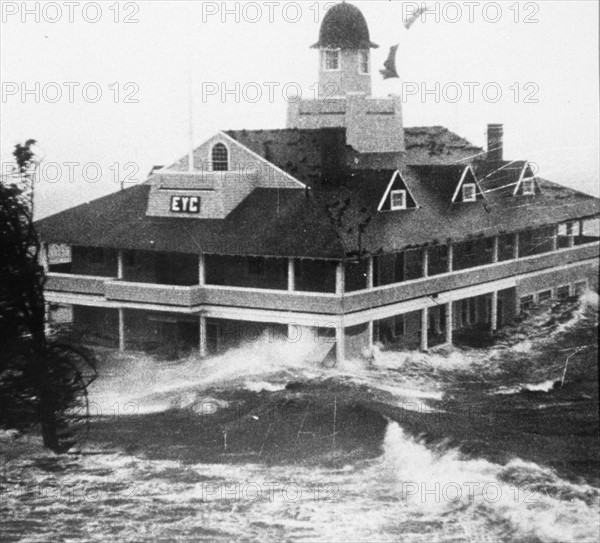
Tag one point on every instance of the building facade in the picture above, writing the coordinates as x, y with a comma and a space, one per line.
343, 229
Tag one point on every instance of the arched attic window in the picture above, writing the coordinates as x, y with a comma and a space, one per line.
220, 158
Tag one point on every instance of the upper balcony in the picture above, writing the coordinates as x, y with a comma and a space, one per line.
284, 287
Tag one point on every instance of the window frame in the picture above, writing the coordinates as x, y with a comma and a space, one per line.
528, 187
396, 193
470, 186
563, 288
544, 295
361, 62
338, 53
528, 301
212, 161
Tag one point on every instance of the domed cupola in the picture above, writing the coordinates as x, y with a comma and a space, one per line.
344, 27
345, 53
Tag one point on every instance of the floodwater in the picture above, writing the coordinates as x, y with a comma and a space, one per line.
497, 444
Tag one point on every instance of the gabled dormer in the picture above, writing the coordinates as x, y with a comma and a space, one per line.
527, 184
467, 190
223, 173
397, 195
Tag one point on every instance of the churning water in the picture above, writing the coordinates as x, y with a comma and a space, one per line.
260, 445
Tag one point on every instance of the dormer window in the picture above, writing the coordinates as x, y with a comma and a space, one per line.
363, 62
528, 187
398, 199
331, 60
469, 192
220, 158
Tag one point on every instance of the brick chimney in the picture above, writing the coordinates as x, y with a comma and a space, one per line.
495, 135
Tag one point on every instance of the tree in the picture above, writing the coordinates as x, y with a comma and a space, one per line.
40, 380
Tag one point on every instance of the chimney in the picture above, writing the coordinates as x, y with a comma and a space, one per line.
495, 133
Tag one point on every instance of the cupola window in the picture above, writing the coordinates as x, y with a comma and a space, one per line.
469, 192
220, 158
363, 62
332, 59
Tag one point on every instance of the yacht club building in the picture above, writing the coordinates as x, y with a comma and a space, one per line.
345, 227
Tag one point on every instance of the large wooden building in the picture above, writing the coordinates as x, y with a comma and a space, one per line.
344, 228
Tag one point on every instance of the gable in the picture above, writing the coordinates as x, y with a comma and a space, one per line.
397, 184
224, 174
467, 188
527, 184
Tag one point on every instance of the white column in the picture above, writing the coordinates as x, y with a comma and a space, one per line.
449, 323
494, 315
120, 272
424, 325
495, 250
340, 345
201, 270
425, 262
291, 275
516, 247
555, 238
450, 257
570, 234
121, 329
370, 277
203, 349
340, 279
43, 257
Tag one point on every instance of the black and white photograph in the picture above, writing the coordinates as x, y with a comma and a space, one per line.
299, 271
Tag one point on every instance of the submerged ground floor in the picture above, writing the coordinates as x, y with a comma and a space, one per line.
463, 316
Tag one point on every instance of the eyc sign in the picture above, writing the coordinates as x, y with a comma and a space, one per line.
185, 204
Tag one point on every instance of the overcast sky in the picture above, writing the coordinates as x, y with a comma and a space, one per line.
542, 56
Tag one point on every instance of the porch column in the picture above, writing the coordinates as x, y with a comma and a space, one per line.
450, 257
370, 338
201, 270
581, 228
516, 246
121, 329
495, 250
425, 262
494, 315
120, 273
424, 325
370, 278
291, 275
449, 323
340, 279
43, 257
570, 234
340, 347
555, 238
202, 347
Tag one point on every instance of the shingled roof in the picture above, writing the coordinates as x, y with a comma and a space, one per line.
295, 222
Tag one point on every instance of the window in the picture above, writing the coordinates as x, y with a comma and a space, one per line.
398, 199
399, 325
469, 192
332, 60
527, 302
544, 296
256, 266
363, 62
220, 158
528, 187
562, 293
